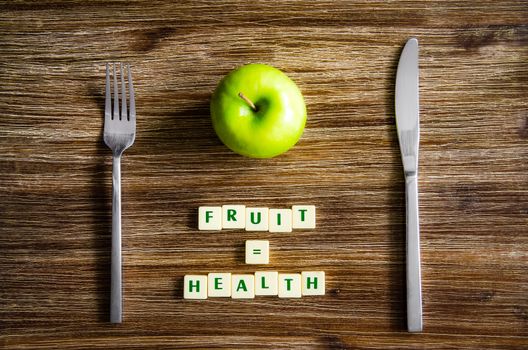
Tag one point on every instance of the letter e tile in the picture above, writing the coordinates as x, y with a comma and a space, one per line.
219, 284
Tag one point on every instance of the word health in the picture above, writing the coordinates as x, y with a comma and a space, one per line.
247, 286
256, 219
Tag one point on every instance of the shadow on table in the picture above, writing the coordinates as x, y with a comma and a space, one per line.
397, 212
101, 212
178, 288
185, 130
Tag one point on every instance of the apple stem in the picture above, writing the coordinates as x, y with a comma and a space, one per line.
248, 101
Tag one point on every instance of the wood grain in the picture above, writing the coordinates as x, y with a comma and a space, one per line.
55, 178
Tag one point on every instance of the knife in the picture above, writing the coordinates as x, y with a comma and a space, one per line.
408, 125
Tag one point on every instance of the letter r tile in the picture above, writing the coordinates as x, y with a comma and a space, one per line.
233, 216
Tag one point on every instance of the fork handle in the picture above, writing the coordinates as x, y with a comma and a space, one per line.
414, 283
116, 291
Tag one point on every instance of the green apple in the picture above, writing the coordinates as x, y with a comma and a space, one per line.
257, 111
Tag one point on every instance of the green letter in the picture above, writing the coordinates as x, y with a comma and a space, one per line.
303, 211
208, 215
308, 283
263, 280
231, 215
241, 284
218, 282
253, 221
197, 286
288, 283
278, 219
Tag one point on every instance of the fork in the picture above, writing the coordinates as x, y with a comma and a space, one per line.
119, 134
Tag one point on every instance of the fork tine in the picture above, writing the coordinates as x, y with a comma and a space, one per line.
132, 114
108, 98
123, 95
116, 97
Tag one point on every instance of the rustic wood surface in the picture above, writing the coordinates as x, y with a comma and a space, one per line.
55, 173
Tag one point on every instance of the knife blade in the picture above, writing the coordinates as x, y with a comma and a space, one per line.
408, 126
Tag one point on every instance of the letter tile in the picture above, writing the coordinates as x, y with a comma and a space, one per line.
257, 252
266, 283
210, 218
243, 286
313, 283
233, 216
303, 216
257, 219
219, 284
280, 220
290, 285
195, 287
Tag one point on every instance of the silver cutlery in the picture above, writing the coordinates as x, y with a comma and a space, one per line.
119, 134
408, 125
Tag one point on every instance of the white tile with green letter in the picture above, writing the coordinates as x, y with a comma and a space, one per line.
257, 219
290, 285
313, 282
303, 216
243, 286
266, 283
219, 284
280, 220
210, 218
195, 287
233, 216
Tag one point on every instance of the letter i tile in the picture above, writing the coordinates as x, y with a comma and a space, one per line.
280, 220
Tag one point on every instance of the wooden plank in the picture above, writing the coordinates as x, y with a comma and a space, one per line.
55, 173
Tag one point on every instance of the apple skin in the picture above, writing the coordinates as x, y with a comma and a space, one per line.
278, 122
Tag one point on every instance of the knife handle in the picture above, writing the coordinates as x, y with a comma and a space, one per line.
414, 283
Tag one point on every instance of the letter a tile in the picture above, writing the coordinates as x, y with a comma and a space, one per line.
243, 286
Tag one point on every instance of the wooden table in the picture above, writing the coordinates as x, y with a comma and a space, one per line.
55, 174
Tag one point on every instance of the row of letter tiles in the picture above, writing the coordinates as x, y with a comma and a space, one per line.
247, 286
256, 219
